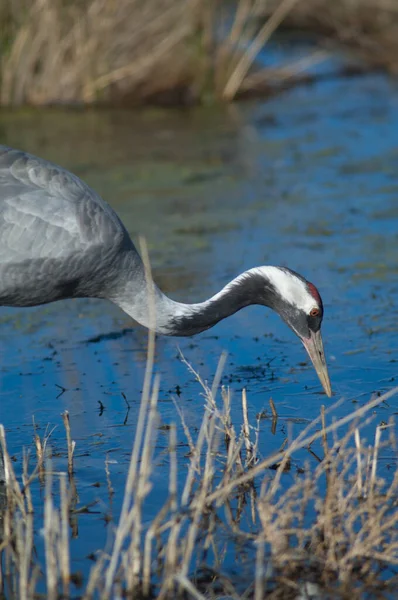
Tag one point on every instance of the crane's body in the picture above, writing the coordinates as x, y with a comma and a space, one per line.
59, 239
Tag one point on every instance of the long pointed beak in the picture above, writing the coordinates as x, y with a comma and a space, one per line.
314, 347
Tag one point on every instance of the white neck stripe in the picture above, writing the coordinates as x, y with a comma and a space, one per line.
291, 288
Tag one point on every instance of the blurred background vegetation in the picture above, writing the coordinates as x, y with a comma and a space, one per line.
175, 52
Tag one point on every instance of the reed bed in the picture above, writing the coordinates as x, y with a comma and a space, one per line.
368, 29
131, 52
332, 532
85, 52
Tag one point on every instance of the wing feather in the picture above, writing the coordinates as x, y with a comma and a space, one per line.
46, 212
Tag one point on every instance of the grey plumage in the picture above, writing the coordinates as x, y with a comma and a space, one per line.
57, 236
59, 239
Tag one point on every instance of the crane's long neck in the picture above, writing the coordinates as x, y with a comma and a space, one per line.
175, 318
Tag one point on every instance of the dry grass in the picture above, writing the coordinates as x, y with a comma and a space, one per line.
133, 51
172, 51
334, 528
368, 28
81, 52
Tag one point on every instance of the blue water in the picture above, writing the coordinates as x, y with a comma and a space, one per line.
308, 180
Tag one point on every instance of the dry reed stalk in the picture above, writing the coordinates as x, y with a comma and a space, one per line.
24, 539
233, 444
201, 498
153, 530
40, 456
173, 468
324, 434
74, 52
70, 443
246, 60
194, 465
274, 416
358, 446
41, 450
196, 504
261, 81
232, 48
211, 408
27, 480
210, 393
225, 394
64, 559
14, 494
246, 430
185, 427
111, 491
259, 570
142, 490
273, 409
217, 377
51, 527
185, 584
374, 458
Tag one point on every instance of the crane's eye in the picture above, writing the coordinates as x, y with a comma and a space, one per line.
314, 312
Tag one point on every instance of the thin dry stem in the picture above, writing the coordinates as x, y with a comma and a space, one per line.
246, 430
64, 562
51, 527
273, 409
70, 443
244, 64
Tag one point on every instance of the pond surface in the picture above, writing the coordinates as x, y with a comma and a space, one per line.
307, 180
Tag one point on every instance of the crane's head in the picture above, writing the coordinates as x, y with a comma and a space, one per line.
299, 304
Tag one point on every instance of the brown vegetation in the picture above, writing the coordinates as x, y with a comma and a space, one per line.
171, 51
332, 533
367, 28
132, 51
